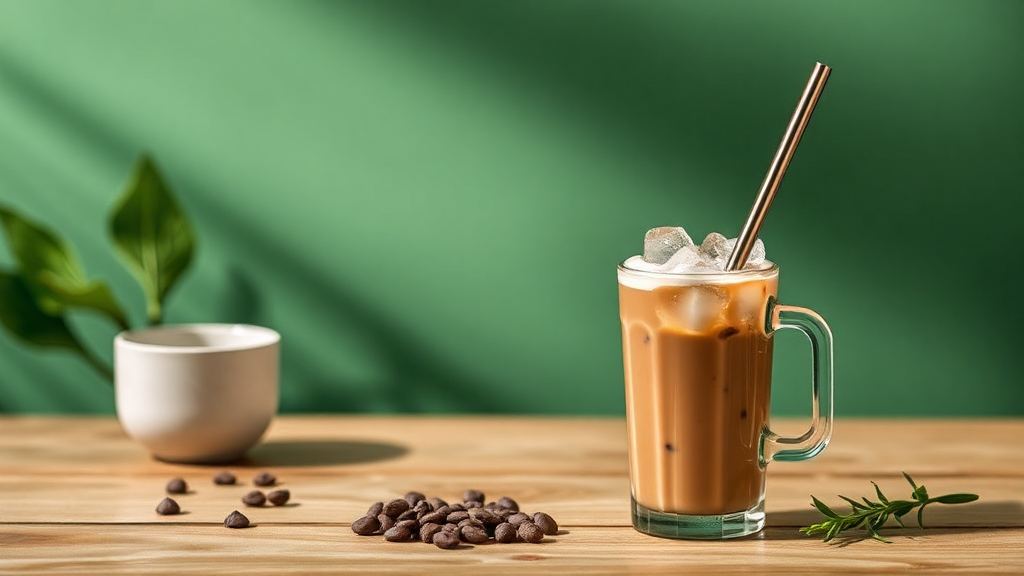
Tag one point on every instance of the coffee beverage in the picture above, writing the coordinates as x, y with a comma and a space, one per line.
698, 368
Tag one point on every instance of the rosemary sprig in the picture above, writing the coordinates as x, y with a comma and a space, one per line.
872, 515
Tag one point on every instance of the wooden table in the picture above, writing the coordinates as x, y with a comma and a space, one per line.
77, 496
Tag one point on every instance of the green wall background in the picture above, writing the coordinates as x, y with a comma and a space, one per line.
428, 199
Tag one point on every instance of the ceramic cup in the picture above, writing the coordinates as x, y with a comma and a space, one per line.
197, 393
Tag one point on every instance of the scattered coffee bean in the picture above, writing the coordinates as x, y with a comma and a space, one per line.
279, 497
437, 516
471, 504
366, 525
225, 479
398, 533
457, 516
427, 532
254, 498
375, 509
236, 520
530, 532
264, 479
407, 515
546, 523
508, 504
177, 486
168, 507
505, 533
485, 516
396, 507
473, 496
473, 534
472, 522
386, 522
457, 507
446, 540
436, 503
414, 497
517, 519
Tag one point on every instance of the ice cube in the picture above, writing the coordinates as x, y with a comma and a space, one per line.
662, 242
757, 254
684, 260
698, 308
713, 251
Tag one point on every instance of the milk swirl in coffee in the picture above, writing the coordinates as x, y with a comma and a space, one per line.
697, 370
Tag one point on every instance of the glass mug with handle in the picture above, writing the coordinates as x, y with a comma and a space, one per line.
697, 354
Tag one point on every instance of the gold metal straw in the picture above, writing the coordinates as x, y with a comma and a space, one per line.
804, 108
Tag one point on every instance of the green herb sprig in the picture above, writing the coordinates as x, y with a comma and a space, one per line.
872, 515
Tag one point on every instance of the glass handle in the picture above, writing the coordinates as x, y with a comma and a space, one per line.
813, 441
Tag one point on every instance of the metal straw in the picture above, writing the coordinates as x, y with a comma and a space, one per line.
804, 108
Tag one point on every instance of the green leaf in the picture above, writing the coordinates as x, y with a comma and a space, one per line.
920, 515
878, 492
52, 273
920, 493
911, 480
955, 498
823, 508
20, 313
856, 505
152, 235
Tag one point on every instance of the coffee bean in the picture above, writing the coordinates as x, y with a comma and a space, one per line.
505, 533
437, 516
473, 534
471, 522
386, 522
414, 497
407, 515
473, 496
177, 486
396, 507
412, 525
451, 528
445, 540
254, 498
517, 519
504, 513
546, 523
427, 532
168, 507
236, 520
485, 516
436, 503
264, 479
423, 507
530, 532
225, 478
279, 497
457, 516
470, 504
375, 509
397, 534
508, 504
366, 525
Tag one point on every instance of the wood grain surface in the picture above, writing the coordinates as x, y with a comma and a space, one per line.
78, 497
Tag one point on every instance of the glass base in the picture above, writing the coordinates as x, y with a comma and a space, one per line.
681, 526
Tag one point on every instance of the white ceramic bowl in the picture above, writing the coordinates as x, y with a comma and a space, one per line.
197, 393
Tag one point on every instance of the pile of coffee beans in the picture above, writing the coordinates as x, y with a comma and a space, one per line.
236, 519
434, 521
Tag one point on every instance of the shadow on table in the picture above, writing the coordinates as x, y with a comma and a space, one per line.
286, 453
973, 518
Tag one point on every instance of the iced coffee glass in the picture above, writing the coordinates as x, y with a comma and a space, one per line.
697, 352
